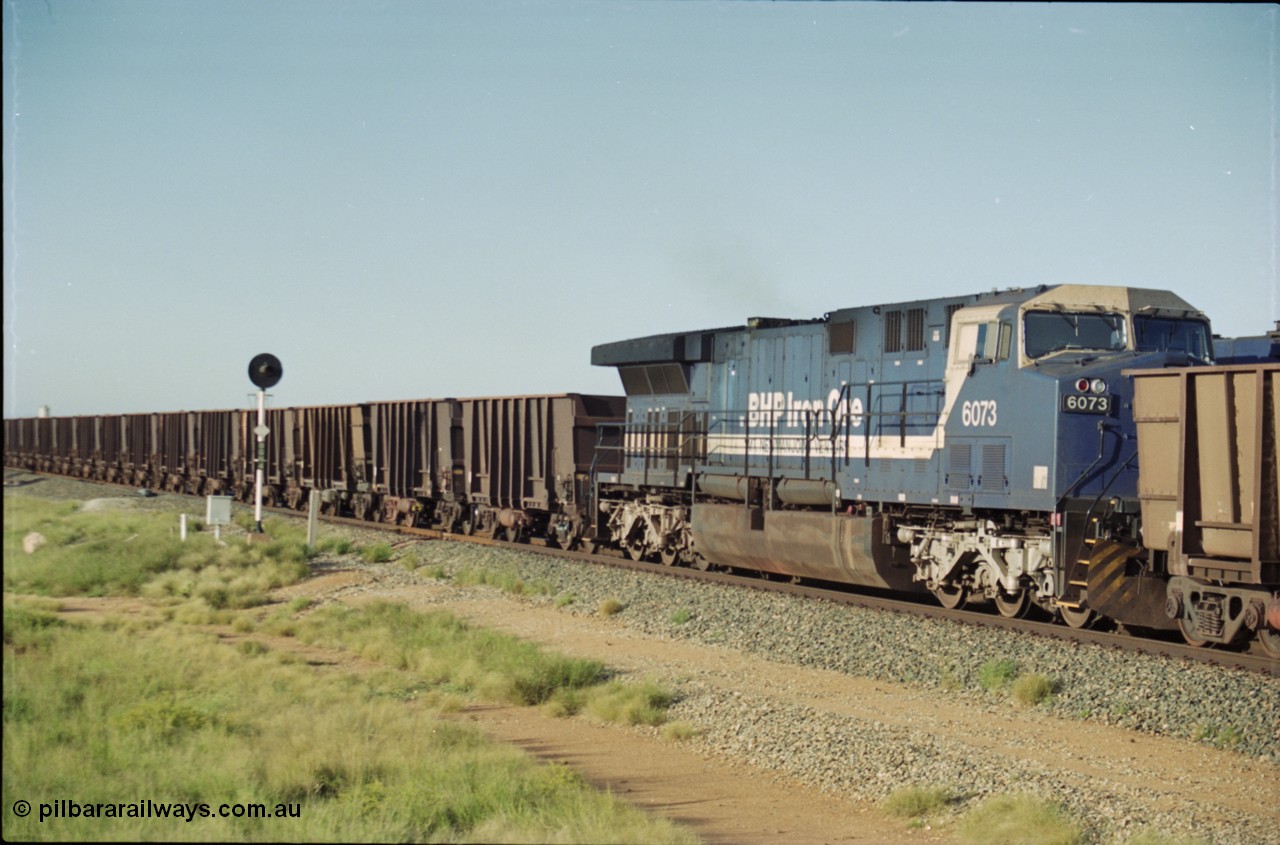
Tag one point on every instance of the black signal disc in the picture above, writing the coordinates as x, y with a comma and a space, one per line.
265, 370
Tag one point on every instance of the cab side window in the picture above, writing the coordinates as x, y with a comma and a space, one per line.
983, 342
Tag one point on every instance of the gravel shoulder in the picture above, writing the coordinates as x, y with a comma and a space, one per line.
856, 738
809, 713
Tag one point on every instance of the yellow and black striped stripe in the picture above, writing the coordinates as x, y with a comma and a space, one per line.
1124, 597
1108, 586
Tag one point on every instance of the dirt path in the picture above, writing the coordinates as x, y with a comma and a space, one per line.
1171, 771
721, 803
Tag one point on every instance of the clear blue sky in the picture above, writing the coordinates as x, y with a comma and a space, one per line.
426, 199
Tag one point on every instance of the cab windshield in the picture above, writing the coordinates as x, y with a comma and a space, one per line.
1047, 332
1161, 334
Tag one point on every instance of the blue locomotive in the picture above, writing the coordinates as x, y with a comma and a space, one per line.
978, 446
1243, 350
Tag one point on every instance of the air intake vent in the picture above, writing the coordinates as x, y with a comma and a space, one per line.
959, 466
993, 478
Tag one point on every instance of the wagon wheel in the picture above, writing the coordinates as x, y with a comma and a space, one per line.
514, 534
467, 525
951, 596
1013, 605
1188, 631
1078, 617
1270, 642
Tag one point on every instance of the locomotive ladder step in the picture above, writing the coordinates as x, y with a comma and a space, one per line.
1078, 584
1074, 605
1090, 541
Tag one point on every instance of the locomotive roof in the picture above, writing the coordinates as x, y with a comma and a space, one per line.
695, 345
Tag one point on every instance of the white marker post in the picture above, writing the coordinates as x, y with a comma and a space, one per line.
262, 431
264, 371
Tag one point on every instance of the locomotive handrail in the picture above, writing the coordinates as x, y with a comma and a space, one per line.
666, 443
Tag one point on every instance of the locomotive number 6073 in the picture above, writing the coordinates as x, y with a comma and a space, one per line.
1086, 404
979, 413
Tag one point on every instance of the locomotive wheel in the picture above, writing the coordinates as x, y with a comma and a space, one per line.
1189, 634
1013, 605
950, 596
634, 552
1077, 617
670, 556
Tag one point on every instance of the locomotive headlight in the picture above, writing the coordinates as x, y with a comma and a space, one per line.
1098, 386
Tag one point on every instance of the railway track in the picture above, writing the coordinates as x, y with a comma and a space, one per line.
1124, 641
923, 608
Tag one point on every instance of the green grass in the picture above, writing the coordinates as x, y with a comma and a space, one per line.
996, 675
112, 711
113, 552
629, 704
336, 545
1227, 738
916, 801
620, 703
376, 553
446, 651
102, 714
610, 607
507, 580
681, 616
1032, 689
1019, 820
679, 731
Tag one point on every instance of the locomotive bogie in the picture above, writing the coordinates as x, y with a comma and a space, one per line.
648, 528
1009, 569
